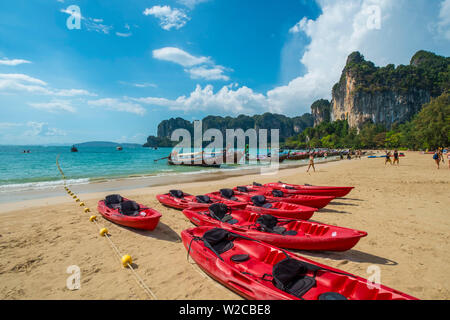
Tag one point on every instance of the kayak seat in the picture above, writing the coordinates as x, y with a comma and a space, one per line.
218, 239
113, 201
332, 296
129, 208
176, 193
242, 189
256, 184
260, 201
219, 211
268, 223
277, 193
289, 275
228, 194
240, 258
203, 199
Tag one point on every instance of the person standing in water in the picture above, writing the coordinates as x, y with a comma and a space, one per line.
396, 157
311, 162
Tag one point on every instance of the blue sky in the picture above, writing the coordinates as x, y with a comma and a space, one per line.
135, 63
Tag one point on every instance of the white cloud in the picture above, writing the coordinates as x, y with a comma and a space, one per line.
91, 24
196, 67
42, 129
124, 35
179, 56
118, 105
214, 73
54, 106
242, 100
139, 85
16, 82
168, 18
13, 62
444, 20
299, 26
191, 3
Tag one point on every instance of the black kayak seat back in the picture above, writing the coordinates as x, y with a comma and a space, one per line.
203, 199
256, 184
242, 189
176, 193
289, 275
113, 201
228, 194
260, 201
269, 223
219, 211
130, 208
278, 193
219, 239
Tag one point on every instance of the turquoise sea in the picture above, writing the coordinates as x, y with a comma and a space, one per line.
37, 169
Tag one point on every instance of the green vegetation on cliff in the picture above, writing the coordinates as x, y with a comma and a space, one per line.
427, 71
287, 126
429, 129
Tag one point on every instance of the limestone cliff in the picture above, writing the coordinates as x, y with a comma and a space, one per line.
389, 94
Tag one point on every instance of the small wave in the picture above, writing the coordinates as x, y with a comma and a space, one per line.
40, 185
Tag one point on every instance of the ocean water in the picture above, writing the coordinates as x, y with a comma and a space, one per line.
37, 169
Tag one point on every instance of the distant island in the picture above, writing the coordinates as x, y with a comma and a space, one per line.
101, 144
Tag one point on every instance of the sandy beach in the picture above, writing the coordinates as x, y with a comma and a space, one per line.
404, 209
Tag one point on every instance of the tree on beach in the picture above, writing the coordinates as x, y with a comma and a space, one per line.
432, 123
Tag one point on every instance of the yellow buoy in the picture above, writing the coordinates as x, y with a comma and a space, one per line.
81, 204
126, 260
92, 218
86, 210
103, 232
77, 200
74, 197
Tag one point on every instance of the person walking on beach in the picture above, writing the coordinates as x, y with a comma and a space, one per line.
311, 162
396, 157
388, 158
436, 158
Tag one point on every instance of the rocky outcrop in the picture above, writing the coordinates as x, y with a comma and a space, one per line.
287, 126
321, 111
385, 95
383, 107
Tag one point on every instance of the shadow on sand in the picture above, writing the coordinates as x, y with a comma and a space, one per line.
350, 255
333, 211
336, 203
161, 232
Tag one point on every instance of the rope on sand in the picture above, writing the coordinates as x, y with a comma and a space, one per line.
125, 259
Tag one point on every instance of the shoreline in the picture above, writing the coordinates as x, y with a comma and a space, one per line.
24, 197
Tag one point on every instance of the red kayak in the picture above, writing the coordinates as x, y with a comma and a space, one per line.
260, 271
260, 204
179, 200
278, 195
310, 190
283, 233
128, 213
